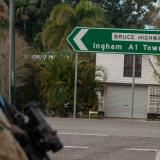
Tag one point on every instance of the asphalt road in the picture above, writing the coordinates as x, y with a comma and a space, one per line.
108, 139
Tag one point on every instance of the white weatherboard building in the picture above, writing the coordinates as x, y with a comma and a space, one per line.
118, 88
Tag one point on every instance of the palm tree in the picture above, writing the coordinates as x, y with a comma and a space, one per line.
57, 81
57, 77
64, 18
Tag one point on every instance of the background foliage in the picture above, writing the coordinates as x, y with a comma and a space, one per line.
42, 27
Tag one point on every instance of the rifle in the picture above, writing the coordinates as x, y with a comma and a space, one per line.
35, 135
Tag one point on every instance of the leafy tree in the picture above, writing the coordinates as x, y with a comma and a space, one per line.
149, 17
127, 13
47, 6
25, 72
20, 61
31, 15
152, 17
64, 18
57, 82
29, 88
27, 20
57, 78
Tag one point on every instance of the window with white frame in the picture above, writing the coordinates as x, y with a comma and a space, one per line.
154, 95
128, 65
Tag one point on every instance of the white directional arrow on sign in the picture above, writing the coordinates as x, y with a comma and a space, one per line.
78, 38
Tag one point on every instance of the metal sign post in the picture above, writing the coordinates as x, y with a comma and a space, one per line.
75, 86
133, 86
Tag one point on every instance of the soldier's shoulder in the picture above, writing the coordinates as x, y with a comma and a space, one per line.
9, 148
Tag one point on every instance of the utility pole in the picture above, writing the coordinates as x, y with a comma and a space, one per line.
11, 52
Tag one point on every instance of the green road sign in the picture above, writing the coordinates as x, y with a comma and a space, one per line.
120, 41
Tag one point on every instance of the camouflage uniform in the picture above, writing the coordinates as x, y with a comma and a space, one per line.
9, 147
